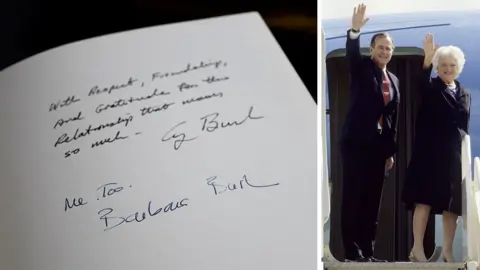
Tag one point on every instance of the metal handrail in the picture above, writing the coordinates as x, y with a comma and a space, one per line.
476, 195
471, 205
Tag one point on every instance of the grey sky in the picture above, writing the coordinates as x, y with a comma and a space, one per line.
343, 8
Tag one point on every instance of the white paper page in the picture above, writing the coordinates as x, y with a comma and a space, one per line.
186, 146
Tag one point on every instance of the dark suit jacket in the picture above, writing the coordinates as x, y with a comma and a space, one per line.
367, 104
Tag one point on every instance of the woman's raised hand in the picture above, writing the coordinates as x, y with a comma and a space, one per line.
428, 46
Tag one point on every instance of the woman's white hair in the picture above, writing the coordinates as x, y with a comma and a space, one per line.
452, 51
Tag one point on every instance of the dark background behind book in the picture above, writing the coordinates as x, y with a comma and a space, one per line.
28, 27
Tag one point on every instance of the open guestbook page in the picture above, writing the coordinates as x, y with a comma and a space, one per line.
179, 147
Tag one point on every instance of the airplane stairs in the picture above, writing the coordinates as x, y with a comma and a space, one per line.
471, 188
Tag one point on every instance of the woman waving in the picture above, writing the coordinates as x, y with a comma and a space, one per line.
434, 177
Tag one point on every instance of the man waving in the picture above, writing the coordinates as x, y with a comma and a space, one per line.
368, 139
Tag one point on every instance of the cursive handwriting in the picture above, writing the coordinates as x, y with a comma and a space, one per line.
100, 90
72, 152
124, 102
115, 221
210, 122
75, 203
65, 138
213, 79
64, 103
109, 140
189, 68
180, 138
192, 100
153, 109
109, 189
186, 86
62, 122
243, 183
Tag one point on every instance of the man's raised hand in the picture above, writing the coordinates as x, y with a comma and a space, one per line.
358, 17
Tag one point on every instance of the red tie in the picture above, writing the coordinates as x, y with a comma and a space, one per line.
386, 94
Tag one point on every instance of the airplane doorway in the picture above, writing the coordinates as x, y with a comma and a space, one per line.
394, 237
